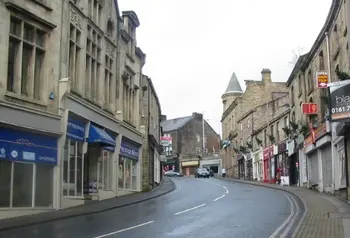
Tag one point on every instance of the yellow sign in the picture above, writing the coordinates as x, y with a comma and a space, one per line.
322, 79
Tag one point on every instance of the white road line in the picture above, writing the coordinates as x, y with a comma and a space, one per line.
290, 225
126, 229
278, 230
190, 209
218, 198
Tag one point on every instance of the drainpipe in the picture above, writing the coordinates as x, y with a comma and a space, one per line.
333, 151
148, 125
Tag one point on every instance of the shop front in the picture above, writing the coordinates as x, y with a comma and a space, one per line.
28, 161
281, 161
189, 167
241, 166
317, 147
88, 159
249, 163
90, 152
267, 155
257, 165
129, 167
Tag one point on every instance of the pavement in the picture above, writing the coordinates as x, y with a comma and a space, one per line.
166, 186
196, 208
325, 215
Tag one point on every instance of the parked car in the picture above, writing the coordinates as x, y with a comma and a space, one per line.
171, 173
201, 173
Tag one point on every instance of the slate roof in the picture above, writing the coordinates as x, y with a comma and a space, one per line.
233, 85
176, 123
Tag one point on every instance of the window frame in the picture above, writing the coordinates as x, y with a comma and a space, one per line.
34, 181
34, 79
67, 195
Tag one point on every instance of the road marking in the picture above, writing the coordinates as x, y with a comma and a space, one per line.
125, 229
190, 209
290, 225
278, 230
218, 198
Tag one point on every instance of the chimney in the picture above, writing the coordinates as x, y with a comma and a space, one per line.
266, 75
163, 118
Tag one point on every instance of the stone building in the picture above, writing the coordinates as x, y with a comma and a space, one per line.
30, 125
321, 157
150, 112
267, 119
188, 143
70, 102
236, 103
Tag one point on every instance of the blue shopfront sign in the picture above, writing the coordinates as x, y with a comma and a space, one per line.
76, 129
129, 150
27, 147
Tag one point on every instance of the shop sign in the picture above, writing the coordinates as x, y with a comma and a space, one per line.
27, 147
75, 129
281, 147
129, 151
339, 98
322, 79
166, 141
268, 152
309, 108
318, 133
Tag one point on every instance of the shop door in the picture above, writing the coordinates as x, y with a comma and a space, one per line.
312, 160
187, 171
266, 170
151, 167
326, 155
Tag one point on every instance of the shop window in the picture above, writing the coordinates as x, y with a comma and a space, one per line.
44, 184
106, 170
73, 168
25, 184
127, 174
5, 183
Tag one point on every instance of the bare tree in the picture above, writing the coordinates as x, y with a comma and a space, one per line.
295, 55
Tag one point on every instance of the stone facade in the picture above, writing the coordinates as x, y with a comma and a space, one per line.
150, 120
75, 65
30, 90
187, 138
273, 114
324, 163
257, 93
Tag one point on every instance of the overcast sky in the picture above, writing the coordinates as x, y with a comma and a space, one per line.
193, 46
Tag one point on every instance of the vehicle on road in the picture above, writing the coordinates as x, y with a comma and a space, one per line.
202, 173
171, 173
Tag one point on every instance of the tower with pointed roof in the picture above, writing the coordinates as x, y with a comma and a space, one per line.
233, 91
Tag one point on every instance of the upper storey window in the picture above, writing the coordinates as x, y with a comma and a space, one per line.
95, 11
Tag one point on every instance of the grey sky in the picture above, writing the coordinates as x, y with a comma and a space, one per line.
193, 46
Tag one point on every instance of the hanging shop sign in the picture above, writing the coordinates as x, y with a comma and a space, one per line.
322, 79
339, 100
309, 108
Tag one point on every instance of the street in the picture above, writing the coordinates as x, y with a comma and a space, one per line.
197, 208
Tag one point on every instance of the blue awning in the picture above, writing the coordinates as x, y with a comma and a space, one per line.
97, 135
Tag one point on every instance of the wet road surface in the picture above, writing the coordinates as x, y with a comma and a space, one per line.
197, 208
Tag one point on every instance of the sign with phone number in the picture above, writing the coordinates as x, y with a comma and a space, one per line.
340, 109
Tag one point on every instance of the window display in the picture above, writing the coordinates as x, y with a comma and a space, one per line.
73, 168
17, 183
127, 173
106, 170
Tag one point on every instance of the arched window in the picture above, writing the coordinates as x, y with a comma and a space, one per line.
110, 28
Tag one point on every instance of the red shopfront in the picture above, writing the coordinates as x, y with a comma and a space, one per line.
267, 154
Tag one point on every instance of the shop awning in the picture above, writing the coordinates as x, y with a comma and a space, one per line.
97, 135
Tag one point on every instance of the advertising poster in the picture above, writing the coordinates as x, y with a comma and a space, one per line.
339, 100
